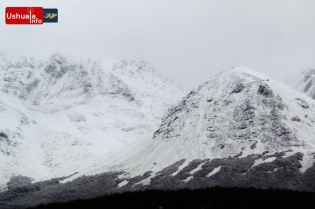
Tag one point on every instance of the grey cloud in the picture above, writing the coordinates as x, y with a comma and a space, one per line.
188, 41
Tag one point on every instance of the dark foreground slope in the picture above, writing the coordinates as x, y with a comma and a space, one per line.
196, 199
282, 173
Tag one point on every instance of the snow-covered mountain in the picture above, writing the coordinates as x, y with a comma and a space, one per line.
59, 115
303, 82
240, 129
237, 113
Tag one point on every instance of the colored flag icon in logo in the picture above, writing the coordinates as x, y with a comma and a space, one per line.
50, 15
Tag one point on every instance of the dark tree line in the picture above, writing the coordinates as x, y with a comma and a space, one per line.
216, 197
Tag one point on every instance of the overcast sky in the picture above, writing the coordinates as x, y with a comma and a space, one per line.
189, 41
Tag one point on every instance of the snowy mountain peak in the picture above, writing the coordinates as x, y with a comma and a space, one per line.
230, 111
237, 113
58, 58
56, 65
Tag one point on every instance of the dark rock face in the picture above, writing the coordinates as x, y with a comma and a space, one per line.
57, 66
302, 103
3, 135
296, 118
281, 173
238, 88
5, 141
308, 85
264, 89
119, 87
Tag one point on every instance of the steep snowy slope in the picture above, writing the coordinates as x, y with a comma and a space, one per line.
303, 82
149, 85
67, 113
238, 112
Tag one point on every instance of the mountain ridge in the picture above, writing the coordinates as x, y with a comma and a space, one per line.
71, 112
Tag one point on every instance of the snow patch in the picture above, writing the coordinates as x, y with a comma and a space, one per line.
123, 176
146, 181
288, 154
306, 162
199, 167
214, 171
188, 179
123, 183
260, 161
